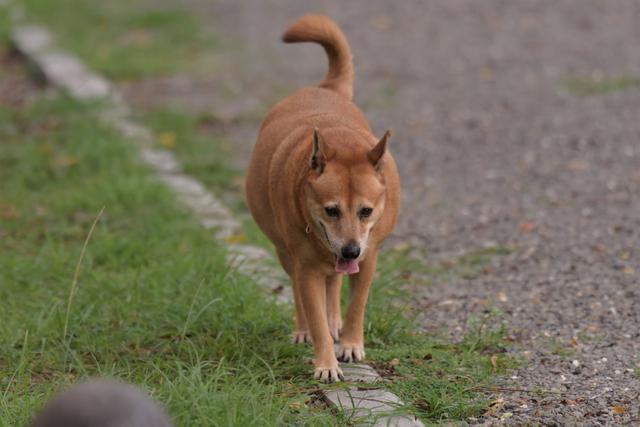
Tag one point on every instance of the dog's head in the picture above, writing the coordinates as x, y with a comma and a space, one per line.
345, 196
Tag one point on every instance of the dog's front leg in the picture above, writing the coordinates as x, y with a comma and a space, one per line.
334, 317
312, 286
351, 348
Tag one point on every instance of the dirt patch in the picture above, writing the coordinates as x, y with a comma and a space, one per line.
17, 87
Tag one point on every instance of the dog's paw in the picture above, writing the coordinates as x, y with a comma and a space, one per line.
350, 352
328, 375
335, 328
301, 337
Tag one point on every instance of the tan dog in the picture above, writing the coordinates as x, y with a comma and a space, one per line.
327, 193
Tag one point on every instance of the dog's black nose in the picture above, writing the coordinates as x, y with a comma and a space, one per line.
351, 251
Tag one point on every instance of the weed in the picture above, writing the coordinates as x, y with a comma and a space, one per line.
586, 86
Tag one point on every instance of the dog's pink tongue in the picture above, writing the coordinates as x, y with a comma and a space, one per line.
347, 266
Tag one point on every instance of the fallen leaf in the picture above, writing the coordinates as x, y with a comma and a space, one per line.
296, 405
46, 148
8, 212
619, 410
499, 401
63, 161
502, 297
381, 22
506, 415
494, 407
236, 238
137, 37
494, 363
394, 362
167, 139
401, 247
624, 255
629, 271
487, 74
577, 165
528, 227
422, 404
428, 356
574, 341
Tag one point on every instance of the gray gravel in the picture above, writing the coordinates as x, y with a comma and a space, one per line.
493, 151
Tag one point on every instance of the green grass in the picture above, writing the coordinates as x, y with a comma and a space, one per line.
440, 380
125, 39
156, 303
204, 156
587, 86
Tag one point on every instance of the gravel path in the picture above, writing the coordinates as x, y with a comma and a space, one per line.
493, 152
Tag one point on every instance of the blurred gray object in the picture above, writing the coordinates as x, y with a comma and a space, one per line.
102, 403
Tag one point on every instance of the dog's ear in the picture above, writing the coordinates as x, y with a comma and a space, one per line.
376, 153
318, 157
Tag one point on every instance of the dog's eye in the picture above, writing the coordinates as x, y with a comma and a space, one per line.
365, 212
332, 211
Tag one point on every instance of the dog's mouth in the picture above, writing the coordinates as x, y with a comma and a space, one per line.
343, 265
347, 266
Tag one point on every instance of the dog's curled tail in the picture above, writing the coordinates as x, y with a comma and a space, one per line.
323, 30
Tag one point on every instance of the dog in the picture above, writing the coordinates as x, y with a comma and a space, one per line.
326, 192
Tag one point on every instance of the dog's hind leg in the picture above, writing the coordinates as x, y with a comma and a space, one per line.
334, 317
301, 333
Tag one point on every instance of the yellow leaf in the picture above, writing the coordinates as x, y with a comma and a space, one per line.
236, 238
381, 22
494, 363
63, 161
167, 139
528, 226
137, 37
629, 271
577, 165
296, 405
619, 410
8, 212
46, 148
487, 74
401, 247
